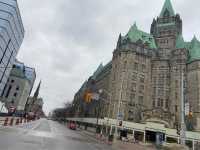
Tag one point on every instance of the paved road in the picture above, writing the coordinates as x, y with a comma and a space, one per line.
47, 135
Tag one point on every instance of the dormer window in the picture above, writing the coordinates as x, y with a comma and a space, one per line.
166, 13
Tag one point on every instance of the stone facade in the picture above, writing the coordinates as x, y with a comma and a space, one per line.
146, 72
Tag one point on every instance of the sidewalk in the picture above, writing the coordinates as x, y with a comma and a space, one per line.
131, 146
119, 145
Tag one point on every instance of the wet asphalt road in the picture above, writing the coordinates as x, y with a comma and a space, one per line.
46, 135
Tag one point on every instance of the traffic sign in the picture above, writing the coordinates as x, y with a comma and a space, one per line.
120, 116
187, 109
95, 96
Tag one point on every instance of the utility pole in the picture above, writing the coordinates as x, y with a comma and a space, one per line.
183, 128
119, 102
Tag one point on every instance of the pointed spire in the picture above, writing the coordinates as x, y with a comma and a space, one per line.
194, 39
36, 94
98, 70
119, 40
195, 42
194, 51
133, 29
167, 7
180, 42
134, 25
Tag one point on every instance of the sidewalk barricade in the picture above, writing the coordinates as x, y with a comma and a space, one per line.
17, 121
21, 120
6, 121
11, 121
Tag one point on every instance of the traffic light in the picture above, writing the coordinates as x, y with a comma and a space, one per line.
88, 97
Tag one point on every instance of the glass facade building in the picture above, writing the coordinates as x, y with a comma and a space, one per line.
11, 37
29, 72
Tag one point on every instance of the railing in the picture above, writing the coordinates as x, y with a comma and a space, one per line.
148, 126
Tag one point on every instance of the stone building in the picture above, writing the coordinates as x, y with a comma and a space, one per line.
145, 75
99, 80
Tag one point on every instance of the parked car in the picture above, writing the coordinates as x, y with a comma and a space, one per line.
72, 125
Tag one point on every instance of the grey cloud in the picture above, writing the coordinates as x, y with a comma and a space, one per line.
67, 39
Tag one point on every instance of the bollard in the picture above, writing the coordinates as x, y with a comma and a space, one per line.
6, 122
11, 121
17, 121
21, 120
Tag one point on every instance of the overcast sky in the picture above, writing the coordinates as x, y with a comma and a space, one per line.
67, 39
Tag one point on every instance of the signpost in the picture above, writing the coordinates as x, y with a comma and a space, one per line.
187, 109
120, 116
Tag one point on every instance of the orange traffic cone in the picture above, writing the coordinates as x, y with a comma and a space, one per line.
6, 122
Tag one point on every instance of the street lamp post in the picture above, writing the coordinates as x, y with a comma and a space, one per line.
98, 111
119, 103
110, 97
183, 128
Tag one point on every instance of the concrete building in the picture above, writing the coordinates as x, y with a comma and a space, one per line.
18, 86
11, 37
144, 76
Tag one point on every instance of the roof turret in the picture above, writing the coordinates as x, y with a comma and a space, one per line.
95, 74
180, 42
194, 51
167, 9
134, 35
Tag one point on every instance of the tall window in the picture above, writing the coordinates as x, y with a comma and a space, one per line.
125, 64
142, 79
8, 92
141, 98
166, 103
158, 103
143, 68
161, 102
15, 95
176, 108
136, 66
154, 103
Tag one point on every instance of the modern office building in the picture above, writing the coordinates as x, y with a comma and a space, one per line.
11, 37
144, 80
19, 86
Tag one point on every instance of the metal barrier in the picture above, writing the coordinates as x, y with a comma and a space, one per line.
10, 121
194, 137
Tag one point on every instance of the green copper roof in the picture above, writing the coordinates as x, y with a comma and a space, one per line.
194, 51
167, 6
100, 67
180, 42
134, 34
